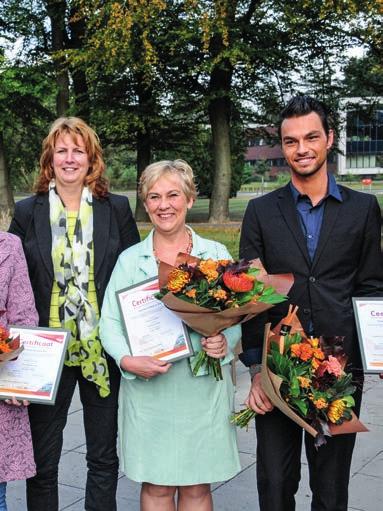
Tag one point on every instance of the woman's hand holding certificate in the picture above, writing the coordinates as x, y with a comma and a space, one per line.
144, 366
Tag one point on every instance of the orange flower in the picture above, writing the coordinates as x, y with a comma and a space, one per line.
177, 280
209, 268
320, 403
191, 293
306, 352
315, 363
336, 410
295, 350
314, 341
220, 294
224, 262
238, 282
303, 351
5, 348
318, 353
304, 382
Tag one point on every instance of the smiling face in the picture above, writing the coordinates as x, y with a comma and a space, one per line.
167, 204
70, 161
305, 145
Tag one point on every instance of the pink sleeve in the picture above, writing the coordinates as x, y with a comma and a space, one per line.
21, 308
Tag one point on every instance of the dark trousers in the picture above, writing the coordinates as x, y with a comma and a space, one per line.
100, 422
279, 445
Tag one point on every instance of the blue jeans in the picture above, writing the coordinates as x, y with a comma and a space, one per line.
3, 489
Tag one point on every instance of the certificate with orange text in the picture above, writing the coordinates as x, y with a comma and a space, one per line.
35, 374
369, 322
151, 328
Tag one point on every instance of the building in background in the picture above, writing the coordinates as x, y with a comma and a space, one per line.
361, 137
263, 151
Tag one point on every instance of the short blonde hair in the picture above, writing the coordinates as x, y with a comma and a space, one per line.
156, 170
73, 126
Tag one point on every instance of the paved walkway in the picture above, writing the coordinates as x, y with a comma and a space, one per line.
366, 485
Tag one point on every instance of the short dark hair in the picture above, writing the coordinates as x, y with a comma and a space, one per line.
304, 105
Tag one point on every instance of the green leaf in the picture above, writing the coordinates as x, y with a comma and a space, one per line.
273, 298
302, 406
294, 387
349, 400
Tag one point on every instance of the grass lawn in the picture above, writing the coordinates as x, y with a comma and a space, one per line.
200, 211
226, 234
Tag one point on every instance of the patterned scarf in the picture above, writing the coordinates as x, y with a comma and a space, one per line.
71, 263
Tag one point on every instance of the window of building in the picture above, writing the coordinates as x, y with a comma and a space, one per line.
364, 143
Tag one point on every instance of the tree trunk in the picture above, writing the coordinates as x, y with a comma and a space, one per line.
144, 139
219, 115
56, 10
80, 85
143, 160
6, 196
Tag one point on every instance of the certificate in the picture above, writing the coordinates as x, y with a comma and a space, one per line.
369, 322
35, 374
151, 328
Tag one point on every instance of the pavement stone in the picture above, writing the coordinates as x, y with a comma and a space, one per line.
239, 493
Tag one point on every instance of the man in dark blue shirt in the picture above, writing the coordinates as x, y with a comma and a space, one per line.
328, 236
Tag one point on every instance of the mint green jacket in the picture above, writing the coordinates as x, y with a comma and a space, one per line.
135, 265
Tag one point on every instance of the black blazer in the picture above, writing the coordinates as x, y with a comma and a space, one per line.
114, 230
348, 262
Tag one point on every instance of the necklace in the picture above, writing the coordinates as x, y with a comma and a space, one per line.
189, 246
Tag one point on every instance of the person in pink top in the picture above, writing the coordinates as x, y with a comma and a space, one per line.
17, 307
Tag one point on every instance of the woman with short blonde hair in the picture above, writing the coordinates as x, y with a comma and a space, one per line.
174, 430
176, 167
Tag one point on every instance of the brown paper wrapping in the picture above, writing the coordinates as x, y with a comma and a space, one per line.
208, 322
271, 384
352, 426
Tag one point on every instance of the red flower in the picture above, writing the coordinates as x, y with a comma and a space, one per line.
238, 282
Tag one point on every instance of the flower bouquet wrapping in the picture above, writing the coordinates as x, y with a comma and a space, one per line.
10, 347
210, 295
305, 378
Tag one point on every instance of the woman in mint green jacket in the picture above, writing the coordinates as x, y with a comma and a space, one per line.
174, 429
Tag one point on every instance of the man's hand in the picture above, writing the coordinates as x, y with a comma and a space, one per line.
146, 367
257, 399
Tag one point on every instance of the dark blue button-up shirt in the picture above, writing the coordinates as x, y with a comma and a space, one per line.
311, 217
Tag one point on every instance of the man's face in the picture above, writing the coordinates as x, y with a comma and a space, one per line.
305, 144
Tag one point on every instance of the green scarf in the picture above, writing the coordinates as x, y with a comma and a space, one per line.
71, 263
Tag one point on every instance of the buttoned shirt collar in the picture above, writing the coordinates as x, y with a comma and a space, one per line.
332, 190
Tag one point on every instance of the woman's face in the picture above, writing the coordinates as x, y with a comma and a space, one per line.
167, 205
70, 161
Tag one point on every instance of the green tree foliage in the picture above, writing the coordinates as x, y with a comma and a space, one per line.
152, 76
363, 76
24, 114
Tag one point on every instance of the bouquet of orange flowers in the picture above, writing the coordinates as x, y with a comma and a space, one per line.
9, 347
305, 378
211, 295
